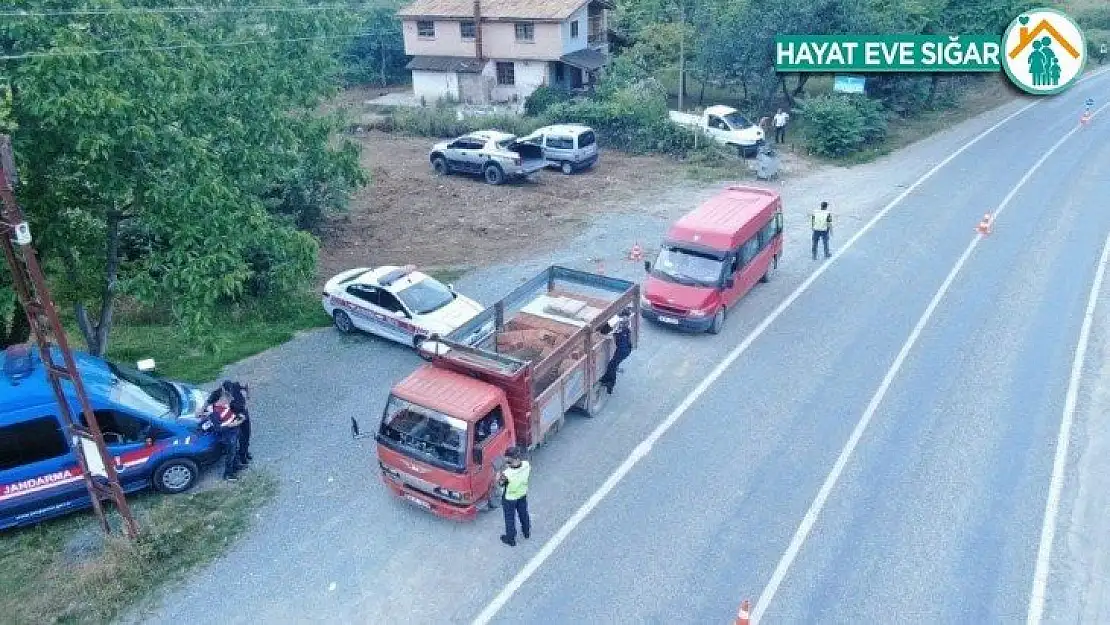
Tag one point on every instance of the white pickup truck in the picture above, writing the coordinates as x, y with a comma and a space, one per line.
726, 125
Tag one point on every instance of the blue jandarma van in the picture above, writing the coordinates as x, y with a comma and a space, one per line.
150, 426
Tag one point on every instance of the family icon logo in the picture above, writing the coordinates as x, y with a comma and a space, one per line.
1045, 51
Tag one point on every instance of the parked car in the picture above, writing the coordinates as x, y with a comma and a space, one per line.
492, 154
397, 303
727, 126
151, 428
570, 147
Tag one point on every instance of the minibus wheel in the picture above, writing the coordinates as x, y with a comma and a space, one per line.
718, 321
770, 270
176, 475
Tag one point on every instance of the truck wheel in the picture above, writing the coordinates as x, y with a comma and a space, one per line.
493, 174
439, 165
718, 321
567, 168
176, 475
770, 270
343, 322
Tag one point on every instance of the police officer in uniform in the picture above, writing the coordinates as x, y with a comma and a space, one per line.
225, 422
622, 335
821, 222
514, 478
238, 393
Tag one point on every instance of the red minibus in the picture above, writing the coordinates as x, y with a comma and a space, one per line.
713, 256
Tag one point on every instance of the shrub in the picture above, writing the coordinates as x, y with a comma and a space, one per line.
1094, 18
543, 98
839, 124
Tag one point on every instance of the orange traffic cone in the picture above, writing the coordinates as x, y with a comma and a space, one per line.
637, 253
742, 617
984, 226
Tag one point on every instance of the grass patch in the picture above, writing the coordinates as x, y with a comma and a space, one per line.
244, 332
65, 571
448, 275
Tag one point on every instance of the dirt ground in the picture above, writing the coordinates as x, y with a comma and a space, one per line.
409, 215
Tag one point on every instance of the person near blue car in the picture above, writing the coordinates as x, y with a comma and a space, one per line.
223, 420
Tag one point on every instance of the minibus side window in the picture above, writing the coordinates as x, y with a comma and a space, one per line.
31, 441
749, 250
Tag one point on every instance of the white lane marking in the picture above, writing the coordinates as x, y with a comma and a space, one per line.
1052, 505
642, 449
849, 448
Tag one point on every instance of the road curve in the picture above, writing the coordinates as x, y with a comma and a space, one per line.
937, 514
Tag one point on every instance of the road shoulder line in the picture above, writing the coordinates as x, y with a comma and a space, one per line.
642, 450
810, 518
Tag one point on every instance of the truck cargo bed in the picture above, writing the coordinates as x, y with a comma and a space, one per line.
548, 346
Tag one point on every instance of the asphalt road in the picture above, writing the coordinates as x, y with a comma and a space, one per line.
936, 516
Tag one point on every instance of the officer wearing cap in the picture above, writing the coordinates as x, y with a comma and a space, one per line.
622, 336
514, 478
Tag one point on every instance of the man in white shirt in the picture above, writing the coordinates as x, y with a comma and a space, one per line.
780, 126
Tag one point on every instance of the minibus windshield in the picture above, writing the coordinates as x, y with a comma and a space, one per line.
146, 393
688, 267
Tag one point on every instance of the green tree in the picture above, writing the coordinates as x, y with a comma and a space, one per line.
176, 169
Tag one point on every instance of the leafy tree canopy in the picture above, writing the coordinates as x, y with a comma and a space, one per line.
171, 156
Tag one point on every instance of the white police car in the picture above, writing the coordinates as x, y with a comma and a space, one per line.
397, 303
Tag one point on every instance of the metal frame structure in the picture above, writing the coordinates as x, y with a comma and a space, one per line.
34, 296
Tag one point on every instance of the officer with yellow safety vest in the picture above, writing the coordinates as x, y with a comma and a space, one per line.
821, 222
514, 478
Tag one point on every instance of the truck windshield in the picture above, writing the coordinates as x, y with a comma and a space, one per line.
736, 121
145, 393
425, 434
687, 267
426, 296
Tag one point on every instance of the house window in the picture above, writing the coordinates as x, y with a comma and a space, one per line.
506, 74
525, 31
425, 29
574, 29
466, 29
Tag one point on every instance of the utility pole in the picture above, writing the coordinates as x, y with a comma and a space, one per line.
96, 465
681, 55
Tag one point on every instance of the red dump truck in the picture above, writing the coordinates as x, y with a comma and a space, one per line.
507, 377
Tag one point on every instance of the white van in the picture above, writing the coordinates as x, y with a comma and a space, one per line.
570, 147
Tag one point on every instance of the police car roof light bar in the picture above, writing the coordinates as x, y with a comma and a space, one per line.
389, 278
30, 286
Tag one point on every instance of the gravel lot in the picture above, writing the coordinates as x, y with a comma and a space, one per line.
335, 547
408, 214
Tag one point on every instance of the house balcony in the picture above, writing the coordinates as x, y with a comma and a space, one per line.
597, 29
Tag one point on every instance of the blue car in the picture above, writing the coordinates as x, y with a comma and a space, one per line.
150, 426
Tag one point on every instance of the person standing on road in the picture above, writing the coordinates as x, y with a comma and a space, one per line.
780, 126
514, 477
821, 222
622, 336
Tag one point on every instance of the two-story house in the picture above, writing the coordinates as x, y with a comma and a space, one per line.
493, 51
